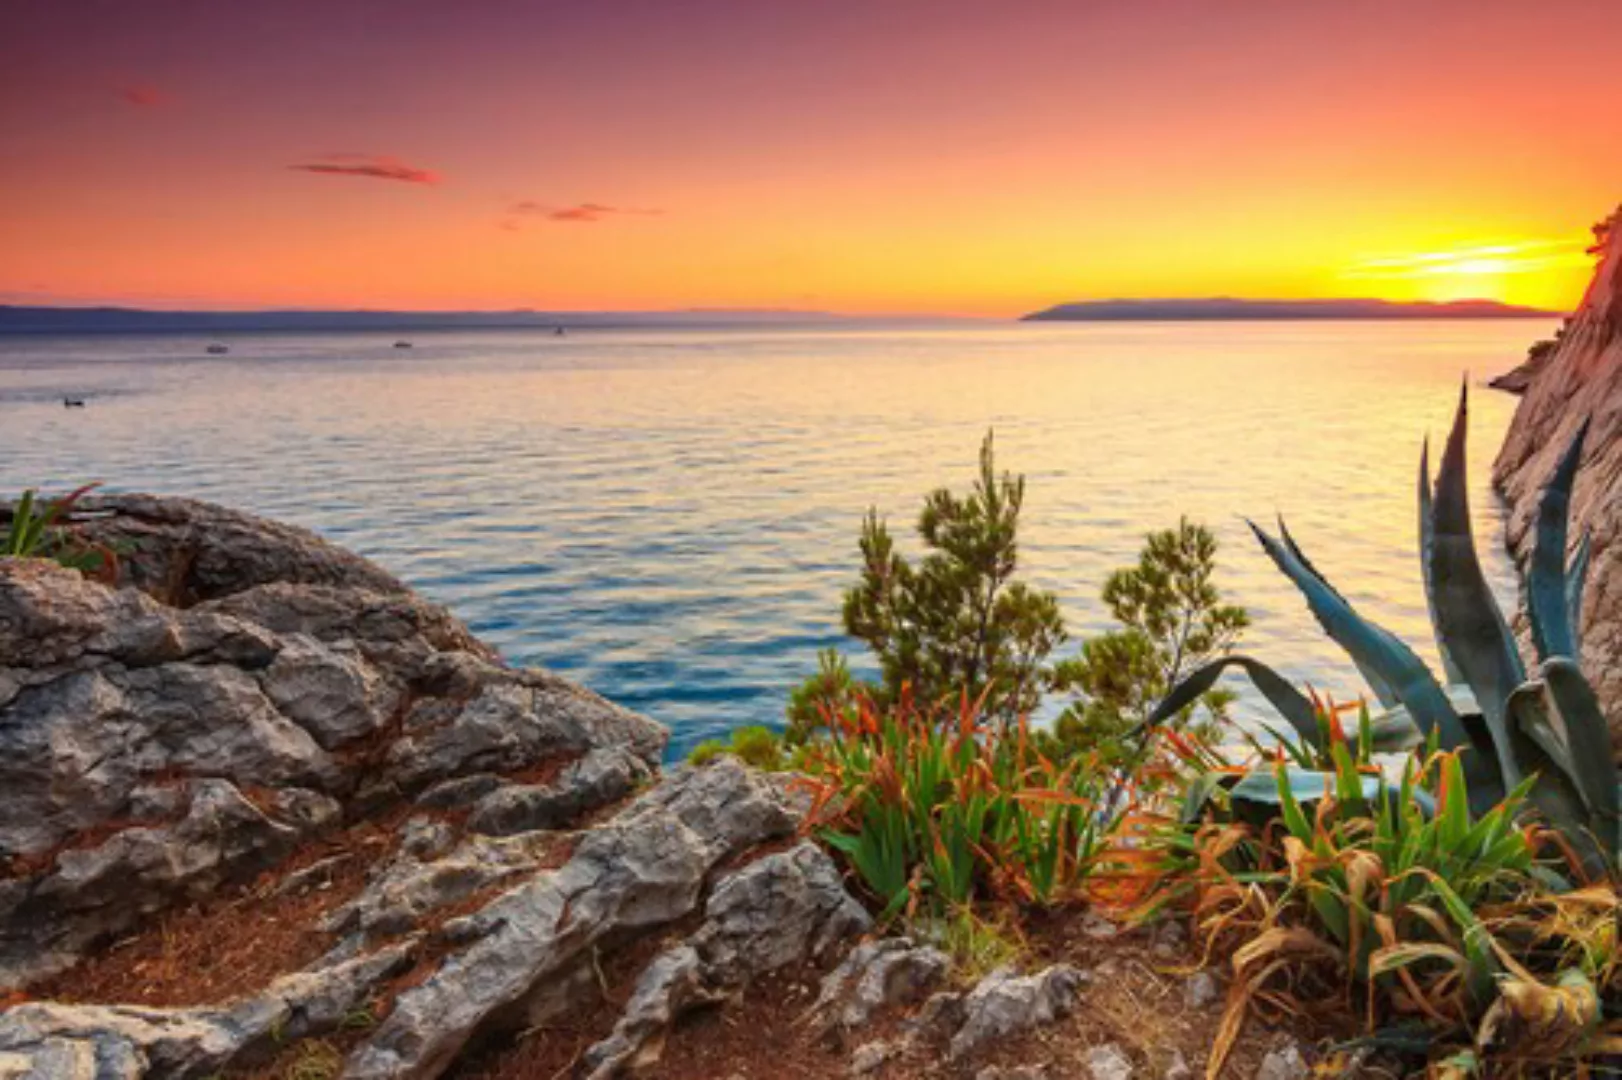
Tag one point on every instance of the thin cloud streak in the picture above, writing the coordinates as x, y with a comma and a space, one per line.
372, 166
1526, 257
579, 212
144, 97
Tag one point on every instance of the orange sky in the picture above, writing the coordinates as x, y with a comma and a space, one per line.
887, 155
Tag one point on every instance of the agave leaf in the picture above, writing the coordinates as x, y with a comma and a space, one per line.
1377, 683
1276, 785
1537, 745
1467, 616
1576, 578
1546, 586
1372, 647
1394, 729
1588, 743
1199, 792
1483, 967
1426, 542
1290, 702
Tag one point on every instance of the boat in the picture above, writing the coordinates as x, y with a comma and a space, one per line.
217, 349
402, 344
73, 403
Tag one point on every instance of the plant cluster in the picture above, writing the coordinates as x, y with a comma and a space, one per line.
37, 529
759, 747
1467, 892
938, 812
1171, 621
958, 621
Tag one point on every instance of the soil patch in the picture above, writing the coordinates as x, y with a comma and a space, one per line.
239, 940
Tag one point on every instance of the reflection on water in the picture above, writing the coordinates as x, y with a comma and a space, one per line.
670, 516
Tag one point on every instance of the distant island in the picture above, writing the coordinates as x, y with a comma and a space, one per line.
1226, 308
121, 320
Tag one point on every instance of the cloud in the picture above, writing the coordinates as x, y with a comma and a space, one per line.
143, 97
1524, 257
586, 211
375, 166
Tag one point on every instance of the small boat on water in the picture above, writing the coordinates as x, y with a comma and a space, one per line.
217, 349
73, 403
402, 344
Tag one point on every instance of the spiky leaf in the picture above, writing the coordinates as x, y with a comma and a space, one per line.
1371, 646
1467, 615
1290, 702
1546, 587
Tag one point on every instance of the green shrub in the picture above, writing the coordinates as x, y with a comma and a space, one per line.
955, 621
1172, 621
830, 692
760, 747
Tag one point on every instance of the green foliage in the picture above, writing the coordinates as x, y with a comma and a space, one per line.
935, 812
831, 692
35, 531
956, 621
1504, 723
1172, 620
1323, 872
977, 945
1440, 898
759, 747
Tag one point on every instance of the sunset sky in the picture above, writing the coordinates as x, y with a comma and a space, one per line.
880, 156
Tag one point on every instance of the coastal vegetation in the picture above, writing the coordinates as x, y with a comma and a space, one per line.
37, 529
1432, 873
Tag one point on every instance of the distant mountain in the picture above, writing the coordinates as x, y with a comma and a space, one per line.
1226, 308
116, 320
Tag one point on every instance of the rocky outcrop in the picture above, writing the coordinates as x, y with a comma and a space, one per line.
247, 687
250, 712
1580, 379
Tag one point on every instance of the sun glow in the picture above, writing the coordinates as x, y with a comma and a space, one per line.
1532, 272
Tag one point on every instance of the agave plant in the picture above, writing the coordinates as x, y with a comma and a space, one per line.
35, 531
1506, 724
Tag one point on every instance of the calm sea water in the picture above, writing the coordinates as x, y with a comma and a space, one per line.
670, 516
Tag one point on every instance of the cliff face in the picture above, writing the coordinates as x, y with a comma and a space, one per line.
1581, 377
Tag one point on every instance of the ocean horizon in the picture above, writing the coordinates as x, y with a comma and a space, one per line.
669, 516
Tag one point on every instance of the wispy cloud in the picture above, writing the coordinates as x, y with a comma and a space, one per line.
587, 211
144, 97
1523, 257
374, 166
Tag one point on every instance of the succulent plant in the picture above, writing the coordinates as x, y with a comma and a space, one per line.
1505, 723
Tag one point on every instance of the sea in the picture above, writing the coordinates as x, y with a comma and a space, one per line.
669, 515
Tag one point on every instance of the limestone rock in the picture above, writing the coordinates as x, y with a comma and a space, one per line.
1284, 1064
128, 1041
1004, 1003
1201, 990
877, 975
870, 1057
1580, 379
643, 869
782, 909
599, 778
247, 686
1108, 1062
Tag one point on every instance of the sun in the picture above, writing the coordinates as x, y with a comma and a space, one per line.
1533, 272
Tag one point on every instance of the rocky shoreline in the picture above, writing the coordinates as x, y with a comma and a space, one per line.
262, 798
